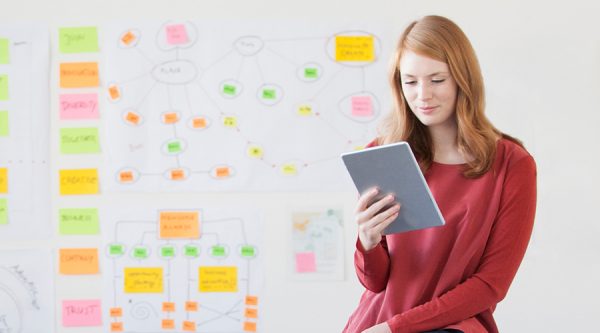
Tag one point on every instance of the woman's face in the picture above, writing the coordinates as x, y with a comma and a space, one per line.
429, 89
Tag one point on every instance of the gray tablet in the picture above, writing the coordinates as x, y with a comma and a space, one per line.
394, 169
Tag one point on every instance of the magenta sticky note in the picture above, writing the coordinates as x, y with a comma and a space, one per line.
362, 106
177, 34
305, 262
77, 313
78, 106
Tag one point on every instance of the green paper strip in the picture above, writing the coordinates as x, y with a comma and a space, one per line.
3, 87
78, 221
79, 140
4, 51
4, 128
78, 40
3, 211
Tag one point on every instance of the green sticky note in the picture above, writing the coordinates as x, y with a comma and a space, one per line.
3, 87
78, 40
4, 51
268, 94
140, 253
191, 251
116, 249
3, 211
247, 251
78, 221
218, 251
4, 128
310, 73
229, 89
79, 140
167, 251
174, 147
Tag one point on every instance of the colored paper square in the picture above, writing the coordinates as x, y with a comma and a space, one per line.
79, 75
3, 180
229, 89
80, 313
191, 251
4, 126
3, 211
191, 306
78, 106
78, 40
177, 34
116, 249
78, 261
140, 253
189, 326
78, 221
179, 225
4, 51
174, 147
310, 73
305, 262
3, 87
354, 48
168, 307
362, 106
116, 327
79, 140
116, 312
249, 326
217, 279
168, 324
269, 94
251, 313
251, 300
143, 280
167, 252
78, 181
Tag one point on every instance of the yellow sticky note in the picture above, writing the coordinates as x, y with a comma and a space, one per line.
217, 279
3, 180
78, 261
79, 75
143, 280
78, 181
179, 225
354, 48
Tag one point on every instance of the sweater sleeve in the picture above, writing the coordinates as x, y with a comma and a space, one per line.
502, 256
372, 266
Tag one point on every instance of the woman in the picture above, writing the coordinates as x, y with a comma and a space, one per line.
449, 278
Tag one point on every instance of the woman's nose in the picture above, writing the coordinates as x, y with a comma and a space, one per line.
424, 91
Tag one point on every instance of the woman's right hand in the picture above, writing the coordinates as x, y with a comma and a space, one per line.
371, 219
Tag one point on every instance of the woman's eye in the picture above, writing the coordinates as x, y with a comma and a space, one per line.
438, 80
410, 82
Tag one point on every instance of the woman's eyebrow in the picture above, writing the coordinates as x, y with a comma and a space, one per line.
432, 74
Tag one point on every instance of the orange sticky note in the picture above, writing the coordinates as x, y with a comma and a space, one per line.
126, 176
189, 326
116, 312
199, 123
128, 38
170, 117
168, 307
116, 327
168, 324
133, 118
79, 181
222, 172
79, 75
114, 92
251, 313
191, 306
177, 174
249, 326
251, 300
179, 225
78, 261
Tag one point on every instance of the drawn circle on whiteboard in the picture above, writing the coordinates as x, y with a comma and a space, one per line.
127, 176
248, 45
247, 251
222, 172
310, 72
365, 50
306, 109
132, 118
176, 35
115, 250
199, 123
361, 107
140, 252
191, 250
269, 94
177, 174
11, 317
142, 310
230, 88
175, 72
129, 39
174, 146
219, 251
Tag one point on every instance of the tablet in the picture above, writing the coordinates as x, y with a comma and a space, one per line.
394, 169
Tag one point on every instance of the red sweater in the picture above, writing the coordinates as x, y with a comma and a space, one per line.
453, 276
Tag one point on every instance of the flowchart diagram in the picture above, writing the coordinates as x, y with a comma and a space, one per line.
212, 106
184, 270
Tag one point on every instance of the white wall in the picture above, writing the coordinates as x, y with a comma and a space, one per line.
541, 62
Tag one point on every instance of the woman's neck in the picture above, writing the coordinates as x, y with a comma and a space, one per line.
445, 144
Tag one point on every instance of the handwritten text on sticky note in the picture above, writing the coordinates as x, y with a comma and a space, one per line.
305, 262
77, 313
179, 225
354, 48
217, 279
78, 106
78, 181
78, 221
362, 106
143, 280
79, 140
79, 75
78, 40
78, 261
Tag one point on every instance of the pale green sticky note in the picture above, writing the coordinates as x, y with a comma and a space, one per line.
4, 128
140, 253
191, 251
229, 89
167, 251
268, 94
218, 251
116, 249
78, 40
78, 221
310, 73
248, 251
79, 140
174, 147
3, 211
3, 87
4, 51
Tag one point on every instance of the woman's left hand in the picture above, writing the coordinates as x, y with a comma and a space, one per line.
379, 328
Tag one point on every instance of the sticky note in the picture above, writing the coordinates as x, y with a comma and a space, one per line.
116, 249
174, 147
177, 34
218, 251
354, 48
126, 176
248, 251
179, 225
305, 262
78, 221
4, 127
191, 251
305, 110
255, 151
128, 38
133, 118
3, 87
170, 117
79, 75
79, 140
229, 89
114, 93
78, 261
168, 307
116, 327
251, 313
217, 279
3, 211
143, 279
289, 169
191, 306
78, 40
168, 324
311, 73
78, 181
167, 251
78, 106
140, 252
116, 312
78, 313
177, 174
362, 106
199, 122
251, 300
4, 51
3, 180
189, 326
230, 121
249, 326
269, 94
222, 172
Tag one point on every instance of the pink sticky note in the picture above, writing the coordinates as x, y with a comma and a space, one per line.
177, 34
305, 262
78, 106
76, 313
362, 106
